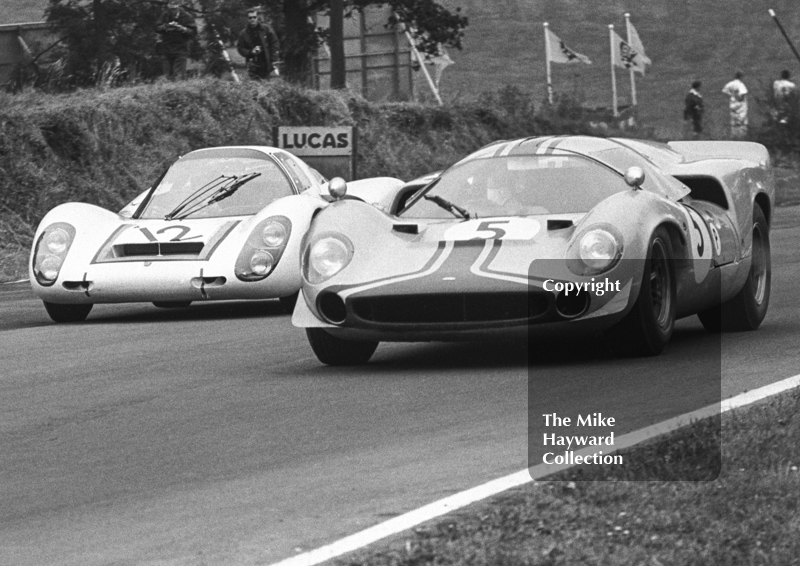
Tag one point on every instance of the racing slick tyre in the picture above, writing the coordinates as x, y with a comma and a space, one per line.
647, 328
746, 311
289, 302
67, 313
172, 304
334, 351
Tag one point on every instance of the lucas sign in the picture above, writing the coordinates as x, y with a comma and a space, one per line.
330, 150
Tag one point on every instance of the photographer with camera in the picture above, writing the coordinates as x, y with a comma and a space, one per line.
176, 28
259, 45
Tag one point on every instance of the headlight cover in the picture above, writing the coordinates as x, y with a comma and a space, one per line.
51, 251
326, 256
263, 249
596, 250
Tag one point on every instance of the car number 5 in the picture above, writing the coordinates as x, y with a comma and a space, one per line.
491, 226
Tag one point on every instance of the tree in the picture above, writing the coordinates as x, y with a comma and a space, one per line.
97, 31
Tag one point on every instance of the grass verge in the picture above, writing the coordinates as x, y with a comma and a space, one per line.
748, 515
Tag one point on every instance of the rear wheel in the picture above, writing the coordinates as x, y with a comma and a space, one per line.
172, 304
67, 313
338, 352
646, 330
746, 311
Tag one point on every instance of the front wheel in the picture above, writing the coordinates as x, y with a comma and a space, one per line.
647, 328
746, 311
335, 351
67, 313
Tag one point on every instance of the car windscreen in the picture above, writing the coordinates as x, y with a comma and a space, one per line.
213, 186
519, 185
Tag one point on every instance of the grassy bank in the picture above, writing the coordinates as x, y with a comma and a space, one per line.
106, 146
749, 515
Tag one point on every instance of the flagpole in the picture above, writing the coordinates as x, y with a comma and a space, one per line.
422, 66
783, 31
547, 55
633, 80
613, 76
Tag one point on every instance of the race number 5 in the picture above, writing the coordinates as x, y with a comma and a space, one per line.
492, 226
511, 228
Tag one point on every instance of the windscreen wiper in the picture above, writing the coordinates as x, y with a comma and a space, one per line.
449, 206
226, 190
198, 194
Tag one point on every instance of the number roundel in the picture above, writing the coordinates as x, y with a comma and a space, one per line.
494, 229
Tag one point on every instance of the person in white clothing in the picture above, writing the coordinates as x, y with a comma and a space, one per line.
737, 95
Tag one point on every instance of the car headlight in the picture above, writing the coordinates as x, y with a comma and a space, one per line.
263, 249
599, 249
51, 251
57, 241
326, 257
595, 251
261, 262
274, 234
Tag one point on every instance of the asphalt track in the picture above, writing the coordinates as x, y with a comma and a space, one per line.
211, 435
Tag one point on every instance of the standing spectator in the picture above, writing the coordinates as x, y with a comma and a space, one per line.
693, 108
737, 95
258, 44
783, 91
176, 28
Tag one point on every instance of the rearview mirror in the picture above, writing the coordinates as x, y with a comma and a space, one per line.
634, 177
337, 188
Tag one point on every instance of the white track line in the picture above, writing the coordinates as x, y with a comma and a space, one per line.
12, 282
448, 504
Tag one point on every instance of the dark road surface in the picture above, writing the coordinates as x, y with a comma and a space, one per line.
211, 435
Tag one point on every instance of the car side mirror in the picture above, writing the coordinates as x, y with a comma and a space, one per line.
337, 188
634, 177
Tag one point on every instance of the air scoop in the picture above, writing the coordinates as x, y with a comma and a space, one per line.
406, 228
559, 223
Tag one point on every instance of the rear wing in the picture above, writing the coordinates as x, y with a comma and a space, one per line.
699, 150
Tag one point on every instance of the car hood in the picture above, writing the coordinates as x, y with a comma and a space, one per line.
435, 255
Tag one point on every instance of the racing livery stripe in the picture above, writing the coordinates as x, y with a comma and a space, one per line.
500, 148
510, 147
434, 263
542, 149
490, 250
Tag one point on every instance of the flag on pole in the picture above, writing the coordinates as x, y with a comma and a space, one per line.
558, 52
636, 44
440, 61
625, 56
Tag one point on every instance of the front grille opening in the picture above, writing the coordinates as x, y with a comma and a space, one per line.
450, 308
156, 249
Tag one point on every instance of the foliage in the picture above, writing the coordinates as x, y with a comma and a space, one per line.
98, 31
123, 30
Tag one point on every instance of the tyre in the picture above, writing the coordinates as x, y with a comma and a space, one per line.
67, 313
289, 302
647, 328
172, 304
334, 351
746, 311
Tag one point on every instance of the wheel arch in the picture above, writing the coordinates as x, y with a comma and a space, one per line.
762, 200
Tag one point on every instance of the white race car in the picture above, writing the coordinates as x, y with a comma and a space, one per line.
221, 223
